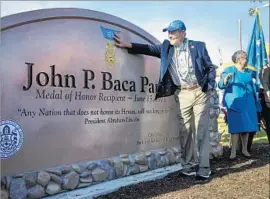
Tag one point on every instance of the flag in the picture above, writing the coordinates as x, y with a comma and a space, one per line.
256, 51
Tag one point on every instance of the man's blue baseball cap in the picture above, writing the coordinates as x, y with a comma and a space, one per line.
175, 25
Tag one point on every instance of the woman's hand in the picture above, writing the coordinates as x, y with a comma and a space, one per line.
226, 79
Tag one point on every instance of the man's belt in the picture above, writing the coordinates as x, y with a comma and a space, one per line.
188, 87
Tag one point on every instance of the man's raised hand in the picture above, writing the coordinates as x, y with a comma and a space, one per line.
119, 42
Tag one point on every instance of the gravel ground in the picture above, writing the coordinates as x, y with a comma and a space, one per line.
242, 178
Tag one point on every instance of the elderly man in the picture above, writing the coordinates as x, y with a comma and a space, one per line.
186, 72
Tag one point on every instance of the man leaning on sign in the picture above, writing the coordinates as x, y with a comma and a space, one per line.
186, 71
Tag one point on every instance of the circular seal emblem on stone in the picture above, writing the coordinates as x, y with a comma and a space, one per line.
11, 138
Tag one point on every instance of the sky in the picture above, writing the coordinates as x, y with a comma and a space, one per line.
214, 22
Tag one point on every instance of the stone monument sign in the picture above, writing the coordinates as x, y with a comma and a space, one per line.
73, 94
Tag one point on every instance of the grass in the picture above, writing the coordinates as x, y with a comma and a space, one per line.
260, 137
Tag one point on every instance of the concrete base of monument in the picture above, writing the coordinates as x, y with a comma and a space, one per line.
114, 185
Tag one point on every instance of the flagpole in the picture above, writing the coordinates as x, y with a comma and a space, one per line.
220, 59
240, 33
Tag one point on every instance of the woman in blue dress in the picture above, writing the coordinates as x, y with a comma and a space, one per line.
240, 100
